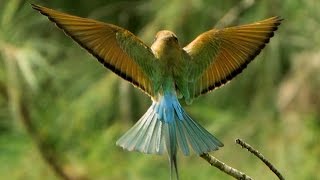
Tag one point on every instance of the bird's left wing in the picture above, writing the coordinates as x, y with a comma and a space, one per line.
116, 48
217, 56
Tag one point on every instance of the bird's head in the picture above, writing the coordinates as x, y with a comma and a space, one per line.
165, 43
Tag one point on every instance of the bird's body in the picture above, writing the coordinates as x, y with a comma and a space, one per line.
167, 71
172, 62
166, 127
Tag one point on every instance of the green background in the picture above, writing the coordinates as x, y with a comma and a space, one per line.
61, 111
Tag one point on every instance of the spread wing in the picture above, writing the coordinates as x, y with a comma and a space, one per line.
116, 48
217, 56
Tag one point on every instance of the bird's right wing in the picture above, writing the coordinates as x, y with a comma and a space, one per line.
217, 56
116, 48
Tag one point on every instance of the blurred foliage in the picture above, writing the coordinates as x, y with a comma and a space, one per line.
61, 112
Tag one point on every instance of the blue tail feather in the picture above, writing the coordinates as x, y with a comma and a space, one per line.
166, 127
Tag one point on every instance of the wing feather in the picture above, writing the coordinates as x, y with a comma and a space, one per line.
111, 45
217, 56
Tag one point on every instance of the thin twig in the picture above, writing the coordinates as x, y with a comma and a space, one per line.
224, 167
260, 156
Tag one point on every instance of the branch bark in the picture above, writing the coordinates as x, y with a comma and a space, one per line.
260, 156
234, 172
224, 167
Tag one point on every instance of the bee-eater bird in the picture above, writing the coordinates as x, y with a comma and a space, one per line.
167, 71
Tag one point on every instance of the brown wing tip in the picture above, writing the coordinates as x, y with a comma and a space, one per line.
279, 18
42, 10
36, 7
277, 21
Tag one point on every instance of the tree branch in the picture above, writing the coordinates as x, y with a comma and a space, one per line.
224, 167
260, 156
234, 172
